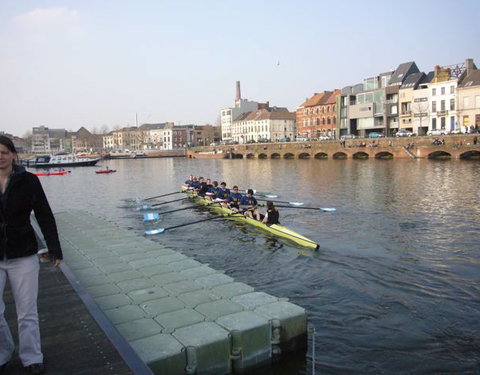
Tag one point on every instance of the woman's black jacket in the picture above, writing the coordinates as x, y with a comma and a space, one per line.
24, 193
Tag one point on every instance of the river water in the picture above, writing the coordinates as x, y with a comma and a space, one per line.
394, 287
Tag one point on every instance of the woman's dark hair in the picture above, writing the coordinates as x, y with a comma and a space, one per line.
7, 142
270, 206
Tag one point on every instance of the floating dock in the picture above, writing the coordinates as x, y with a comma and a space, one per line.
178, 315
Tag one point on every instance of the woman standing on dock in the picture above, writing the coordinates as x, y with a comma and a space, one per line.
20, 194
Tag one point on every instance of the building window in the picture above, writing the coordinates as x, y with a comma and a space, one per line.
442, 122
442, 90
434, 124
452, 104
442, 105
434, 92
452, 89
434, 106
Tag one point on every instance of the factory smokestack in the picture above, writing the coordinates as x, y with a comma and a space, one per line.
239, 95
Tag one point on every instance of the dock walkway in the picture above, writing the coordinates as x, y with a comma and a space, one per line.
178, 315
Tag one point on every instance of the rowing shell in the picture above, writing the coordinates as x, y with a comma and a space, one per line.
276, 229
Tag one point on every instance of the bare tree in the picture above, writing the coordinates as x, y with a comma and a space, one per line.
420, 111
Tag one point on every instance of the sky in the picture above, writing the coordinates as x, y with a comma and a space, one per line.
107, 64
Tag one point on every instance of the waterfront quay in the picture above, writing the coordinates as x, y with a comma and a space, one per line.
177, 315
447, 147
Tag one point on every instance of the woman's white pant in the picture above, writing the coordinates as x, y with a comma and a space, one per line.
22, 274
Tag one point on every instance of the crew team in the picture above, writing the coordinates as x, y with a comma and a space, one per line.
232, 199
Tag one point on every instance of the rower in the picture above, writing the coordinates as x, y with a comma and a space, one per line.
234, 198
205, 187
249, 204
189, 182
198, 184
212, 191
271, 216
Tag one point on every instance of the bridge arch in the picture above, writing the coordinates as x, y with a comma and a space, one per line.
339, 155
275, 155
289, 155
262, 156
321, 155
250, 156
439, 155
470, 155
360, 155
237, 156
304, 155
384, 155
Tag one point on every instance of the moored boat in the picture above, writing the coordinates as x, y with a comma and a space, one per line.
62, 160
275, 229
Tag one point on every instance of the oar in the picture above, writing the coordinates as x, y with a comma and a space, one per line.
290, 203
161, 230
324, 209
150, 206
163, 195
155, 215
261, 194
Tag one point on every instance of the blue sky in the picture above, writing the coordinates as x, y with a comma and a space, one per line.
66, 64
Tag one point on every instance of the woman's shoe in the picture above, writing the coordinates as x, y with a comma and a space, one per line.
36, 368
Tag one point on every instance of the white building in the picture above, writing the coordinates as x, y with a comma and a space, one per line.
264, 124
227, 115
442, 101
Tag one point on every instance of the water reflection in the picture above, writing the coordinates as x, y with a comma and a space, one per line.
394, 287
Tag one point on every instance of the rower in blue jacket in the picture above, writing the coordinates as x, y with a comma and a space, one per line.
204, 188
249, 204
212, 191
223, 192
234, 199
189, 182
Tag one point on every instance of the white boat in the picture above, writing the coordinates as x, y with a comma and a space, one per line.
62, 160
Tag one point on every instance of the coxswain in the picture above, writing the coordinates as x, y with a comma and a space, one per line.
249, 204
233, 201
272, 216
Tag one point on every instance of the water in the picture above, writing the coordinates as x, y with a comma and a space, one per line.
394, 287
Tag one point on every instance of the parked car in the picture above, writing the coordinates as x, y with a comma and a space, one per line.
323, 138
251, 141
404, 133
263, 140
438, 132
348, 136
302, 139
375, 135
284, 139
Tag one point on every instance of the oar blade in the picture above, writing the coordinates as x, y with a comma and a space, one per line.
271, 196
145, 207
296, 203
154, 231
150, 216
328, 209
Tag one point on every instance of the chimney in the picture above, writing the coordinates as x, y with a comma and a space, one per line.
469, 65
239, 95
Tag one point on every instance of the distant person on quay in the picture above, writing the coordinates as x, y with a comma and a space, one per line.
20, 194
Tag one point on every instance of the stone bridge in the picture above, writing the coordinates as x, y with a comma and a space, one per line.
455, 147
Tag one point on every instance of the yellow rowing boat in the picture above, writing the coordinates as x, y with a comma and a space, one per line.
276, 229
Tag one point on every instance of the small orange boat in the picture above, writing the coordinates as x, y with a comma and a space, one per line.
57, 173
